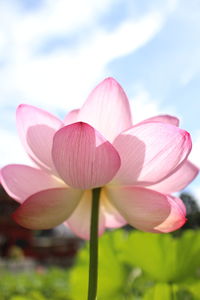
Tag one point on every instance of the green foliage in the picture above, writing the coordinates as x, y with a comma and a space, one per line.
138, 265
194, 289
160, 291
51, 285
132, 266
163, 257
112, 275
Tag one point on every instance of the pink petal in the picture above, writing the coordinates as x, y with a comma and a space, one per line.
21, 181
79, 222
71, 117
148, 210
163, 119
113, 219
83, 158
173, 222
150, 152
47, 209
107, 109
178, 180
36, 129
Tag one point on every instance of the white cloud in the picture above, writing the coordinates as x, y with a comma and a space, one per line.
143, 106
62, 79
52, 17
196, 193
11, 150
195, 154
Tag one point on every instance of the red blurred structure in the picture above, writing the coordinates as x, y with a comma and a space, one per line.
44, 246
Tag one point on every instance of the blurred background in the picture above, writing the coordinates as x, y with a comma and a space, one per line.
52, 53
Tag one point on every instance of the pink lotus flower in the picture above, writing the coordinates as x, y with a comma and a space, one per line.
137, 166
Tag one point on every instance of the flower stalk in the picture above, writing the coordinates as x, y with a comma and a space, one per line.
93, 263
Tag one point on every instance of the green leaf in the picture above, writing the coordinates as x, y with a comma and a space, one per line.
187, 254
111, 272
161, 291
163, 257
18, 298
194, 289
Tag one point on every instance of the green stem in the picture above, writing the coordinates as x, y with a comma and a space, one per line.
93, 265
172, 291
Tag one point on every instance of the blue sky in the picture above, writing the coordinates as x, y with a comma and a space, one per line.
52, 53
